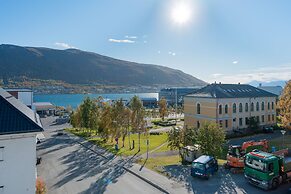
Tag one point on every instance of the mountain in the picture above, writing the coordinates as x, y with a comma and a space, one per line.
75, 66
281, 83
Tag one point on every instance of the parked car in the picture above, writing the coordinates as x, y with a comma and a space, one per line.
204, 167
268, 130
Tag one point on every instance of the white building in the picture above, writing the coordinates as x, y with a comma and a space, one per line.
24, 95
19, 126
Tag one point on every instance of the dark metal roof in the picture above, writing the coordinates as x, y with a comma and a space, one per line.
231, 91
15, 117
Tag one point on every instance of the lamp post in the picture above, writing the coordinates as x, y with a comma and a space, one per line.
283, 133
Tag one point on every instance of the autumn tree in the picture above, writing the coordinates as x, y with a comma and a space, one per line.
211, 138
285, 106
127, 123
181, 137
105, 125
163, 107
137, 116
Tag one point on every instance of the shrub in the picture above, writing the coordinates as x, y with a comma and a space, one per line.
40, 186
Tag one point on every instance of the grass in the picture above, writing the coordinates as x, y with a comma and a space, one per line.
278, 142
154, 141
157, 162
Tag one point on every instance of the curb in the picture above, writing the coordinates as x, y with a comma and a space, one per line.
126, 169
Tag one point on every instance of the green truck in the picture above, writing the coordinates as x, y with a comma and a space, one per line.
268, 170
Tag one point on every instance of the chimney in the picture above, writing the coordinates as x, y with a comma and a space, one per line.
219, 82
238, 82
260, 85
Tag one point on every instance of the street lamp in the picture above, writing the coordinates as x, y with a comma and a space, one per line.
283, 133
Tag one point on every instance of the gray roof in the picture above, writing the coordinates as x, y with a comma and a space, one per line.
15, 117
231, 91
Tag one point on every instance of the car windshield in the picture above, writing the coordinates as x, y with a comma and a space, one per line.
255, 163
198, 165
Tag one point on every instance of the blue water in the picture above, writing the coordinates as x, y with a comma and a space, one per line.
75, 99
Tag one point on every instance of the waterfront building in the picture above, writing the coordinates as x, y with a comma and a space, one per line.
231, 106
171, 94
24, 95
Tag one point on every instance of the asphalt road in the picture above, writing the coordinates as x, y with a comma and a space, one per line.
68, 167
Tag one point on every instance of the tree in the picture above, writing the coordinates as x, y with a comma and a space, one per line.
127, 119
285, 106
179, 138
104, 129
137, 116
163, 107
211, 138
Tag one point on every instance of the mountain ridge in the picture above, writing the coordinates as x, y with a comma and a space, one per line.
75, 66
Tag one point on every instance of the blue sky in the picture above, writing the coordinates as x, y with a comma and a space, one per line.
224, 40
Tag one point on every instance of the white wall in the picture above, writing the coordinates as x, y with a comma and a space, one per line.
18, 168
25, 97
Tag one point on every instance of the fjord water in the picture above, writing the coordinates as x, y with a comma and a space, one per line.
75, 99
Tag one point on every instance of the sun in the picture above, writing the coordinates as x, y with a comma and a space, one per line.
181, 13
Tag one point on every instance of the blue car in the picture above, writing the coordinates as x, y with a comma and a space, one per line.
204, 167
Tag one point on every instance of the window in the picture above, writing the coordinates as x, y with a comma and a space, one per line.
258, 119
198, 124
240, 121
226, 109
220, 109
247, 120
272, 105
252, 106
269, 117
268, 105
220, 124
240, 107
246, 107
226, 123
257, 106
271, 167
273, 117
263, 106
263, 118
198, 108
1, 153
234, 108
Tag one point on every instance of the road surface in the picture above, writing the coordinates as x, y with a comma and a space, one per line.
68, 167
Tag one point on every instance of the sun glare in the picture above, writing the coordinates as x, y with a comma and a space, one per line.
181, 13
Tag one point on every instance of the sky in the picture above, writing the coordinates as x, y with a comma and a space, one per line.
227, 41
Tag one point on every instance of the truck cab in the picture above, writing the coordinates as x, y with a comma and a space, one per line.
204, 167
265, 170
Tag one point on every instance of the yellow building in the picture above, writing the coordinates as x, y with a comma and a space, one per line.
230, 105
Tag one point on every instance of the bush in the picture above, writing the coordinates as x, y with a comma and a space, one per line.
40, 186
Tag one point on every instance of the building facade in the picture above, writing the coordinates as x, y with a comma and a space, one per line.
19, 126
231, 106
173, 95
24, 95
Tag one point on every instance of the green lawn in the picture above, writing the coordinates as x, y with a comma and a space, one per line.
278, 142
155, 163
154, 141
